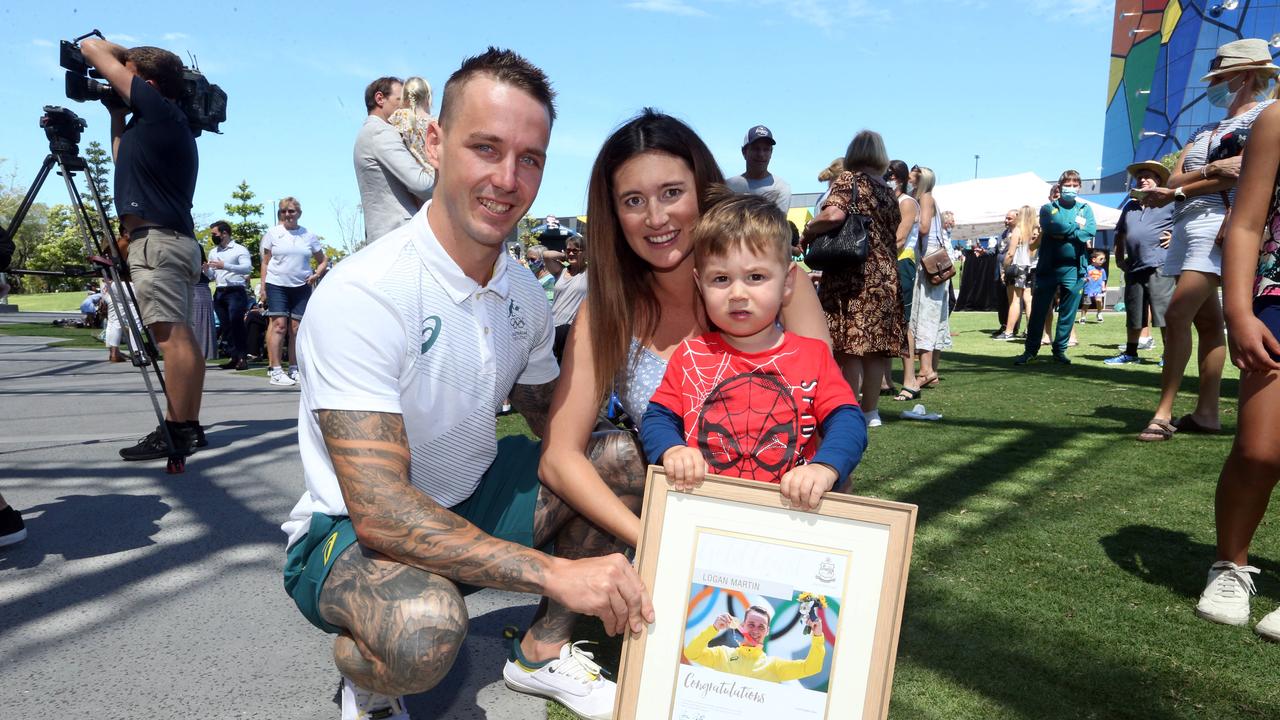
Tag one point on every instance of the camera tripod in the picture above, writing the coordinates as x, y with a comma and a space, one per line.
63, 128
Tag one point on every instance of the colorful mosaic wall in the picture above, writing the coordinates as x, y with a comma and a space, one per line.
1159, 51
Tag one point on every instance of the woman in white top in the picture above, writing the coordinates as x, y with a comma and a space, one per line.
1016, 265
1239, 75
930, 304
908, 236
288, 250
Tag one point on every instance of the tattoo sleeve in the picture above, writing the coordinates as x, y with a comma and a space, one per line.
534, 403
370, 454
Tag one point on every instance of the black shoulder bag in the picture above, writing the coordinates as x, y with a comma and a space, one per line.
842, 247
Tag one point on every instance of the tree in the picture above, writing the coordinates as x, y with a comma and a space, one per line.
29, 235
60, 247
1170, 160
525, 229
245, 229
99, 162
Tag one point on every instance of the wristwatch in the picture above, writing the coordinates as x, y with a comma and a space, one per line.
1179, 195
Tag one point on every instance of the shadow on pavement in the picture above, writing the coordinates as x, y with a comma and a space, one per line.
73, 527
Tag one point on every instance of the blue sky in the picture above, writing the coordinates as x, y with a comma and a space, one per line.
1020, 82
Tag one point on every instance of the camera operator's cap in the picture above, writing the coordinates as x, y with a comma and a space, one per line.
756, 133
1237, 55
1154, 166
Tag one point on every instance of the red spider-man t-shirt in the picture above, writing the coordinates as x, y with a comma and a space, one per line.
753, 415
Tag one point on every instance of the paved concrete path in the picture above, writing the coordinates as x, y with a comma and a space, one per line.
144, 595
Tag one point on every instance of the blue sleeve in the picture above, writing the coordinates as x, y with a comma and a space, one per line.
844, 439
661, 429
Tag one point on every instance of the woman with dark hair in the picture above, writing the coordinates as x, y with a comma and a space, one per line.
648, 187
863, 303
898, 179
1201, 188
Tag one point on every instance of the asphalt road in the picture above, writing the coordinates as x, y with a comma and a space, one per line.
145, 595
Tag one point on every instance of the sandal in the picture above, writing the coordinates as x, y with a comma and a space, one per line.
1157, 431
907, 394
1188, 424
932, 381
888, 391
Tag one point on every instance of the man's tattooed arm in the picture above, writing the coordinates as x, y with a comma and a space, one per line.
370, 454
534, 403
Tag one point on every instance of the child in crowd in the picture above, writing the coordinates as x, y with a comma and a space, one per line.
747, 398
1095, 286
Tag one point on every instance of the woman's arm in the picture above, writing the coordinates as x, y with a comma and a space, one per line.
565, 468
904, 226
262, 275
322, 265
1250, 341
1015, 238
802, 312
927, 209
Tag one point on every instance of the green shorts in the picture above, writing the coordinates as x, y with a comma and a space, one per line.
502, 505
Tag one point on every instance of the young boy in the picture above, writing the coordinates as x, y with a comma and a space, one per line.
1095, 285
748, 399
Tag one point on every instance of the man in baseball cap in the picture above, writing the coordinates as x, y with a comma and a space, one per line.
1142, 236
757, 150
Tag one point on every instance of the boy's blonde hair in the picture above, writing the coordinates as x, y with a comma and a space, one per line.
740, 220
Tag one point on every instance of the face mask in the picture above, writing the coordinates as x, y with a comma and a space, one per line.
1070, 193
911, 188
893, 185
535, 265
1220, 95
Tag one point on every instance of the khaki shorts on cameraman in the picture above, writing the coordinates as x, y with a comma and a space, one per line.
165, 264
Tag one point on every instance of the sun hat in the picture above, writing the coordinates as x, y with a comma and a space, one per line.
1237, 55
1154, 166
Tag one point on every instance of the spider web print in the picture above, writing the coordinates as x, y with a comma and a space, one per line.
747, 419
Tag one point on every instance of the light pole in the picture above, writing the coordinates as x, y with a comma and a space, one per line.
975, 166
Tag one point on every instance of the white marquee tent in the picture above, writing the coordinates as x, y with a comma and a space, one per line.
979, 205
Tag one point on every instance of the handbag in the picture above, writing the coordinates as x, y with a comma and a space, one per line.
937, 266
841, 247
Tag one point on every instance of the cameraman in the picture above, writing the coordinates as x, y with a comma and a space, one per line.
155, 180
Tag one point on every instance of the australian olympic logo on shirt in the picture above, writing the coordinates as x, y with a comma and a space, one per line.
515, 316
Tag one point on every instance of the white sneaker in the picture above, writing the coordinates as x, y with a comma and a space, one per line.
873, 418
1269, 626
574, 680
1226, 598
276, 376
293, 375
360, 704
1147, 343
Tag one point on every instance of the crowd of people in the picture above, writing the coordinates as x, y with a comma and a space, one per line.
694, 303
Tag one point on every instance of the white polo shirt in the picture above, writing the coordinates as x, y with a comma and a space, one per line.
398, 328
291, 253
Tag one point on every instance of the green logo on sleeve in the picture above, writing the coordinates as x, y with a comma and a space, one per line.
430, 331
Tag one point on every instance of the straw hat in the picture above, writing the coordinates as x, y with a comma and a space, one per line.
1237, 55
1158, 168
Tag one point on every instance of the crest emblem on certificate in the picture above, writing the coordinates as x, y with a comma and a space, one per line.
826, 571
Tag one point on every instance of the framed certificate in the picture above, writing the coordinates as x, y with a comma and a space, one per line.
763, 611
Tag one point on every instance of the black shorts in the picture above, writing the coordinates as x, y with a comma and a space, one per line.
1267, 309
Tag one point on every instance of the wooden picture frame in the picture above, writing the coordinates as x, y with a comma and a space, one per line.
733, 548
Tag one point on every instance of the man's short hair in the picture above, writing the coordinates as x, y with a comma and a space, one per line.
740, 220
221, 225
160, 67
506, 67
1068, 175
382, 85
768, 616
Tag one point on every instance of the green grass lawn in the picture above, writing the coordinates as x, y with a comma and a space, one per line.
49, 302
1057, 560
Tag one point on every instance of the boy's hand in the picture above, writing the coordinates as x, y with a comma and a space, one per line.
804, 485
684, 466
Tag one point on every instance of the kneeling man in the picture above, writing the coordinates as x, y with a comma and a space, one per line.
408, 350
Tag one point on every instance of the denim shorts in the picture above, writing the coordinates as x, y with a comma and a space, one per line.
287, 301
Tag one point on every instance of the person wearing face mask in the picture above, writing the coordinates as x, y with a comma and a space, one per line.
1067, 227
1201, 189
1142, 240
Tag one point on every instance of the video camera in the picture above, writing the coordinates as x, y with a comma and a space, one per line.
204, 103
